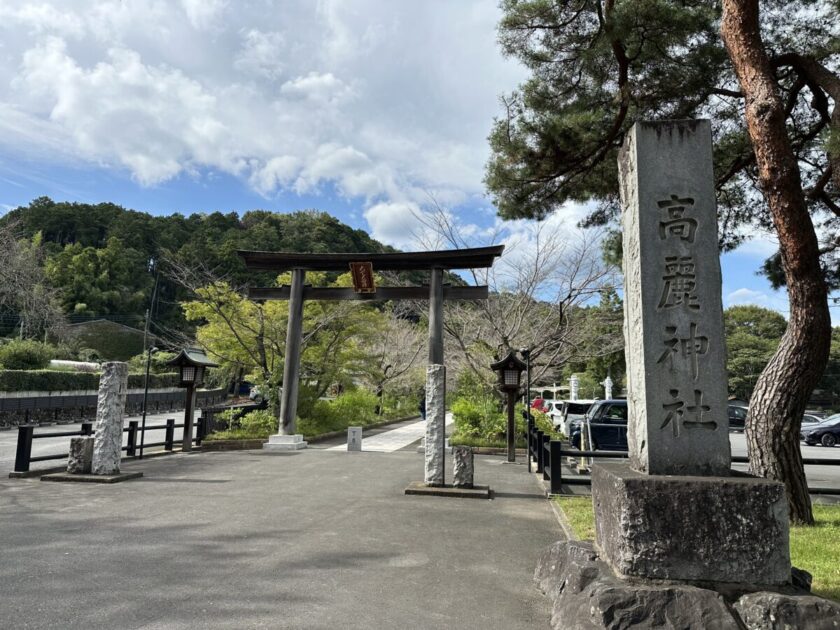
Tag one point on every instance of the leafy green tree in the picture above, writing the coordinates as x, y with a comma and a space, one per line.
598, 66
101, 281
752, 336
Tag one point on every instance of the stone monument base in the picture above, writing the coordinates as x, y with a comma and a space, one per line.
91, 478
285, 443
456, 492
711, 529
587, 594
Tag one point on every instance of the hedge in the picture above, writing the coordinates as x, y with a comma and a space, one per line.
55, 380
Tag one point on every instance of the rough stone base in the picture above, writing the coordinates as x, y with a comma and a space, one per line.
80, 458
716, 529
285, 443
475, 492
587, 595
78, 478
464, 466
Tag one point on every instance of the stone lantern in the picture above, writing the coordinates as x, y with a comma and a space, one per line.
192, 364
510, 371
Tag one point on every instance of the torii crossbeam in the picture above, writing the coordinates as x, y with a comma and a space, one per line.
436, 262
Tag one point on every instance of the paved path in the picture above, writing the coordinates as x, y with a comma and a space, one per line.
315, 539
393, 440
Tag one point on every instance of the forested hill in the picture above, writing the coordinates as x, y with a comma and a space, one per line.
97, 256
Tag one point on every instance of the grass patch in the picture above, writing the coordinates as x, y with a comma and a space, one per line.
237, 434
477, 441
815, 549
579, 512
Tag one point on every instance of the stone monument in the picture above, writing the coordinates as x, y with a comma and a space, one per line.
80, 457
681, 540
463, 466
678, 511
354, 438
110, 409
435, 424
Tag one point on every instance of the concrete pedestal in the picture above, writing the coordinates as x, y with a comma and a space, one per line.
285, 443
716, 529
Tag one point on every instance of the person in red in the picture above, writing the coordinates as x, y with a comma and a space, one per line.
537, 403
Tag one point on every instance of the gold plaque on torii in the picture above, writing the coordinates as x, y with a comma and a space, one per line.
362, 273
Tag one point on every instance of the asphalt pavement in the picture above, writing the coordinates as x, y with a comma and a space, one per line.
311, 539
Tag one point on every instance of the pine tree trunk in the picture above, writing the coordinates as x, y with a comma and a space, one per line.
783, 389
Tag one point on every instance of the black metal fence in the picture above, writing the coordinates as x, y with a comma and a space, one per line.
27, 434
545, 452
71, 407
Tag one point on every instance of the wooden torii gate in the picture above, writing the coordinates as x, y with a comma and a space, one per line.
362, 265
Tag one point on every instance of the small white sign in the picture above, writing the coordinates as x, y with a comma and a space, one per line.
354, 438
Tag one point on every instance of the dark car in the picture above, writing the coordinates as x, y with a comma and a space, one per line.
608, 425
826, 432
737, 417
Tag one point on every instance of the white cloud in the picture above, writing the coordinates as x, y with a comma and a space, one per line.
382, 101
398, 224
747, 296
203, 14
261, 54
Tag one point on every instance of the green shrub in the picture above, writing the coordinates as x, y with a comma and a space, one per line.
137, 363
482, 421
261, 423
353, 408
25, 354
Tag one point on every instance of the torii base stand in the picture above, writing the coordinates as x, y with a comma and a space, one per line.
285, 443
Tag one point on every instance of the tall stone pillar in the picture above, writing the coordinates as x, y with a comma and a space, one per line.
677, 511
435, 424
673, 325
110, 410
574, 387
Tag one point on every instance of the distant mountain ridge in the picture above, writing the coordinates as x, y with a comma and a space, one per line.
98, 255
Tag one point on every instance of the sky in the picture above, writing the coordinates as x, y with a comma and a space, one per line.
375, 111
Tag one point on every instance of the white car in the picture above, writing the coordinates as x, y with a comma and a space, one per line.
554, 410
572, 411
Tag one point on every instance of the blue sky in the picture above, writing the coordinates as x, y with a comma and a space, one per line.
367, 110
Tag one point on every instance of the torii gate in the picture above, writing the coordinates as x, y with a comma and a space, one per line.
362, 265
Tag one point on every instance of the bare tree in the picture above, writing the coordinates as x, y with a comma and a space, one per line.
538, 289
23, 287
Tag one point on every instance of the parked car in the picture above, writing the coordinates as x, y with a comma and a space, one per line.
737, 417
607, 421
554, 410
826, 432
810, 418
571, 411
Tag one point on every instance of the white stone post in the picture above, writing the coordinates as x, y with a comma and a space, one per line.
608, 385
574, 387
110, 410
435, 424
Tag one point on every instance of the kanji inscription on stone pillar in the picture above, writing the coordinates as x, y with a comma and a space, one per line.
676, 372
